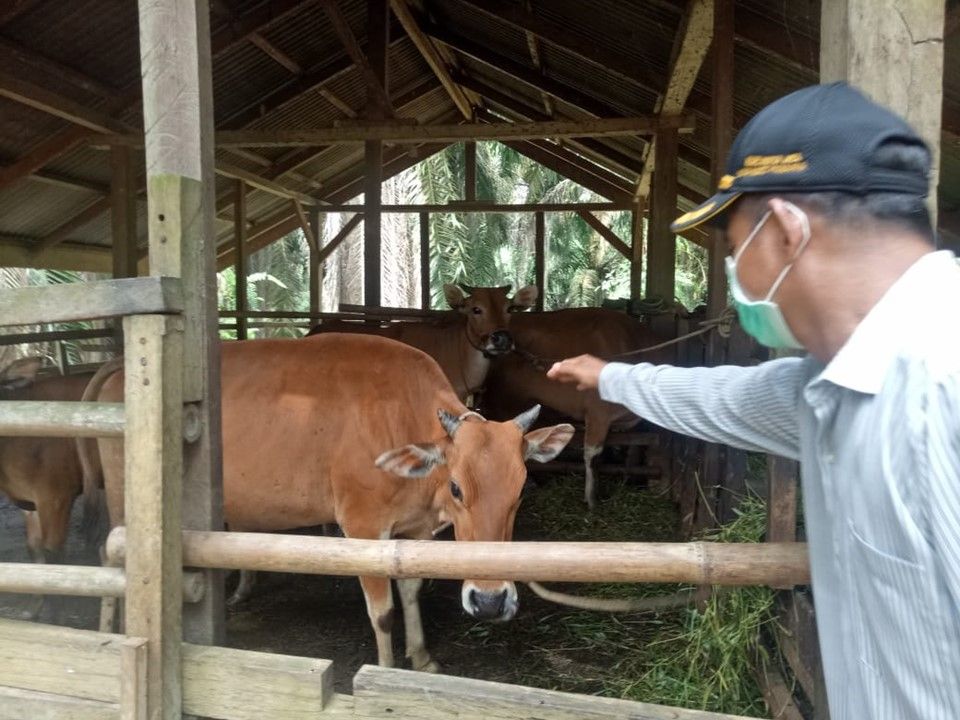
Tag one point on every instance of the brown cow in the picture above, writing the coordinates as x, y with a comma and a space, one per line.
365, 432
462, 344
519, 380
41, 475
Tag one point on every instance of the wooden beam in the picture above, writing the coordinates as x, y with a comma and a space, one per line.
376, 90
27, 93
316, 271
694, 36
335, 100
606, 233
123, 213
432, 57
487, 207
446, 133
64, 230
277, 55
178, 114
261, 183
781, 499
540, 258
372, 203
893, 54
305, 226
424, 261
662, 243
636, 250
42, 153
343, 234
240, 253
71, 182
18, 252
30, 65
470, 171
536, 57
263, 16
13, 9
579, 169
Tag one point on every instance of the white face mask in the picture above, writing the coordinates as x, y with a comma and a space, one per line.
763, 319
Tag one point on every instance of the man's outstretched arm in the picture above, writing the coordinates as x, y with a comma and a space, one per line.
754, 408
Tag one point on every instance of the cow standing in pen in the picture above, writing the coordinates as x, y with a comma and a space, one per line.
365, 432
463, 344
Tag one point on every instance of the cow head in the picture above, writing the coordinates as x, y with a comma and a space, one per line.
478, 490
19, 374
488, 313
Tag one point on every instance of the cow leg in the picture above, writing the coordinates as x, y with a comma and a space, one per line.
244, 589
594, 435
54, 524
416, 647
379, 597
35, 547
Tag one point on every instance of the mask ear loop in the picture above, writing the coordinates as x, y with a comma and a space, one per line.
752, 235
805, 232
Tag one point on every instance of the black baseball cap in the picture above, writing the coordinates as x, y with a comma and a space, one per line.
821, 138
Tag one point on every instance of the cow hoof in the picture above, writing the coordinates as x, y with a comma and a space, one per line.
235, 601
431, 667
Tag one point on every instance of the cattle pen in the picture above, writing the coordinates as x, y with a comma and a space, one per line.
241, 121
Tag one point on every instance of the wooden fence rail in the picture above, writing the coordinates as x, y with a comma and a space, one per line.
36, 418
81, 581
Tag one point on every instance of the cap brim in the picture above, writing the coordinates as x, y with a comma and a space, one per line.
708, 210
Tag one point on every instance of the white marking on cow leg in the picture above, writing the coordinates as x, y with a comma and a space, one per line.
248, 579
416, 645
590, 486
379, 597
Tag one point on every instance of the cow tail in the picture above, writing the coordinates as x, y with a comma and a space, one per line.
94, 520
626, 605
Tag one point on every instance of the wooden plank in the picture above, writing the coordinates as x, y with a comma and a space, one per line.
781, 499
175, 50
133, 679
694, 38
636, 250
372, 75
705, 563
316, 271
153, 468
470, 171
305, 226
449, 133
90, 301
53, 418
662, 243
540, 258
606, 233
264, 16
261, 183
15, 252
26, 93
777, 695
432, 57
336, 101
244, 685
797, 636
893, 54
17, 704
123, 212
390, 693
75, 580
425, 261
487, 207
53, 335
275, 54
240, 255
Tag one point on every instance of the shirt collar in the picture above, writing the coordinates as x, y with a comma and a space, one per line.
863, 361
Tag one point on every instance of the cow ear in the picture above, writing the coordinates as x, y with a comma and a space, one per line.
20, 373
454, 295
412, 461
525, 298
546, 443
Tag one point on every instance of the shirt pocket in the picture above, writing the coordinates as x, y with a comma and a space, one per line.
895, 615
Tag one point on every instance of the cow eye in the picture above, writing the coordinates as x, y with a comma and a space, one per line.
477, 310
456, 491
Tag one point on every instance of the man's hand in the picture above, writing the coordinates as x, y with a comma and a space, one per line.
584, 370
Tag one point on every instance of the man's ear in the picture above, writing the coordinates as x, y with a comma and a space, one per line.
794, 224
546, 443
454, 295
20, 373
525, 298
412, 461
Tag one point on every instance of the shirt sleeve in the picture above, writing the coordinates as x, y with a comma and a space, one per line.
943, 470
753, 408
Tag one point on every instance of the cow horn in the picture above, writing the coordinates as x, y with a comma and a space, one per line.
468, 289
449, 421
526, 419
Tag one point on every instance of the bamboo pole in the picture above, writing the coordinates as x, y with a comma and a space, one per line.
697, 562
81, 580
36, 418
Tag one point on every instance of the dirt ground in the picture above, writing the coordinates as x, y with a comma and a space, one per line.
326, 616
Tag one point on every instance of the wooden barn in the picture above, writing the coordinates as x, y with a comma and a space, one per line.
161, 141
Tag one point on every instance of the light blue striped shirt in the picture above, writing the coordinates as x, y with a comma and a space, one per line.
877, 431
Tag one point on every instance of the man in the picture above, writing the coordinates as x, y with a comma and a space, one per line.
832, 252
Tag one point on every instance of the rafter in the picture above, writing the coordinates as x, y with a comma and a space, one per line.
265, 15
27, 63
432, 57
341, 27
39, 155
690, 48
64, 230
14, 8
27, 93
275, 53
606, 233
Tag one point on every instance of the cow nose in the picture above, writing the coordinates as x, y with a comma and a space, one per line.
488, 605
501, 340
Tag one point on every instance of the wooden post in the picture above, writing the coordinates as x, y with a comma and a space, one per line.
425, 261
153, 467
894, 53
123, 212
636, 250
662, 245
540, 259
781, 500
470, 171
316, 271
178, 117
240, 255
378, 42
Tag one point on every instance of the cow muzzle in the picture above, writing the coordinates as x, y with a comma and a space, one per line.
498, 604
499, 342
